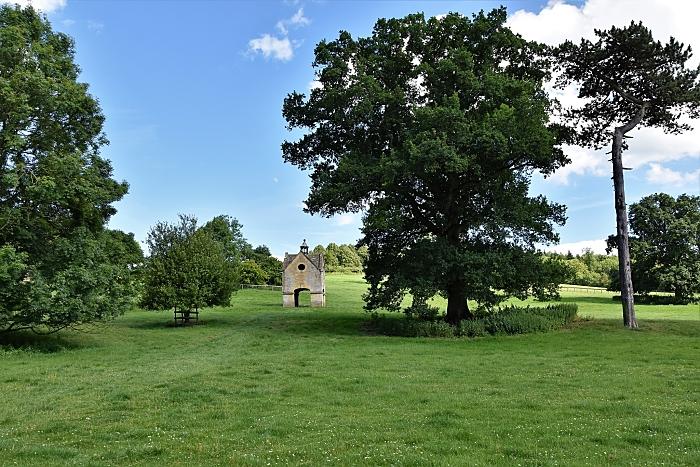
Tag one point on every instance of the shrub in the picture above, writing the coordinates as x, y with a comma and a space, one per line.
422, 312
659, 300
508, 320
472, 328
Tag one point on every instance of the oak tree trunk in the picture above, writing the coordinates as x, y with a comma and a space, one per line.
457, 306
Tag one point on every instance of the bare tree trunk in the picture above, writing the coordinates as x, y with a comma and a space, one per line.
623, 248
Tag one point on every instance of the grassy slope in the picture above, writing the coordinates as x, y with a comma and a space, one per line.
259, 384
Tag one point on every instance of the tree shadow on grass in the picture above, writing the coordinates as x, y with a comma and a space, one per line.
671, 327
264, 318
168, 323
606, 300
30, 342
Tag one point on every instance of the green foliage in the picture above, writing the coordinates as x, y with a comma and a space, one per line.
472, 328
588, 269
341, 258
228, 231
624, 70
665, 245
188, 268
251, 273
434, 126
271, 267
508, 320
652, 299
61, 266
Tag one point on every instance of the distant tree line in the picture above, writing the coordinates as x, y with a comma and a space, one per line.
342, 258
588, 268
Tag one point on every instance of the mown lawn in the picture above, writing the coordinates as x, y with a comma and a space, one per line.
259, 384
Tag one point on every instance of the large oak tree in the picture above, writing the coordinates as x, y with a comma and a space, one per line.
433, 127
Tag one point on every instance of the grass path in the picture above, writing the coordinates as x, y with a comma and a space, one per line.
258, 385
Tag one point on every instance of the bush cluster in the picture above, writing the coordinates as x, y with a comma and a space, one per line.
509, 320
645, 299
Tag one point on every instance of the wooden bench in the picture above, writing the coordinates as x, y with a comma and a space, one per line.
183, 317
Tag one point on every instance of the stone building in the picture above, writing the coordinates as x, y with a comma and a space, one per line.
303, 271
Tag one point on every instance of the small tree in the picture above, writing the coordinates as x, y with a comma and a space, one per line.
187, 268
628, 79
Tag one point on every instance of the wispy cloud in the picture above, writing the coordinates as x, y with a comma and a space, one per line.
297, 20
346, 219
95, 26
280, 48
43, 5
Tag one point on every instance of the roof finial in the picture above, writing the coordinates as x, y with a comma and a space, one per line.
304, 248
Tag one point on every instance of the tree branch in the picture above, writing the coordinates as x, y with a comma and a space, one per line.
635, 120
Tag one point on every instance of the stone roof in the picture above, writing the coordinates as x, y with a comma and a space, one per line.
314, 259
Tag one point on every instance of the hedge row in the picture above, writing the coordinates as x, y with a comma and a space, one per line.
510, 320
659, 300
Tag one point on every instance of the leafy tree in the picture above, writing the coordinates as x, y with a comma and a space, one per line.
434, 128
347, 257
262, 250
56, 192
251, 273
665, 244
363, 253
330, 257
628, 79
228, 231
188, 268
271, 266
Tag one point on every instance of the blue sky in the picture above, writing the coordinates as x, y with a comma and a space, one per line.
192, 93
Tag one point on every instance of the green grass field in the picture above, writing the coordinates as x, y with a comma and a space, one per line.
262, 385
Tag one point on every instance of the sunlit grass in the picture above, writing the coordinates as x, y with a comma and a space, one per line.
258, 384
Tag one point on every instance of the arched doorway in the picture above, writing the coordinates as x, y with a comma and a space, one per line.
305, 299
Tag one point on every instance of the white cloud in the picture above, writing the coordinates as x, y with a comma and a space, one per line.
315, 84
270, 46
559, 21
275, 179
297, 20
43, 5
68, 22
664, 176
576, 248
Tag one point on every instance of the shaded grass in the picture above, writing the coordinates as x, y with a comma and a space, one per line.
258, 384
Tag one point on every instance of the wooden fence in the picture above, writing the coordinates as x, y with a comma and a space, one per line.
582, 288
277, 288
